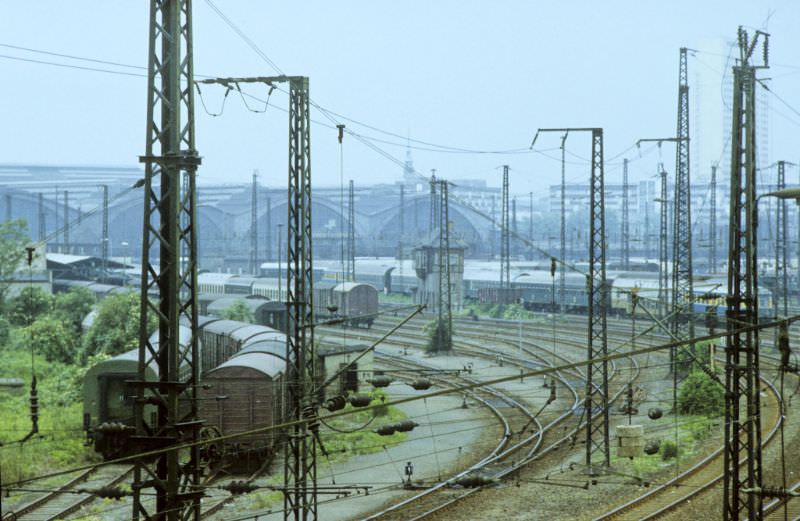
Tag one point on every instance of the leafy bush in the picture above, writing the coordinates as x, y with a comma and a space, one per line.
699, 394
691, 358
116, 328
48, 337
31, 303
438, 335
72, 307
668, 450
239, 312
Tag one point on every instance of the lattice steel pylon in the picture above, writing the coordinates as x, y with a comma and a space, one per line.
712, 225
743, 428
562, 267
505, 235
444, 304
351, 234
624, 236
104, 231
42, 217
596, 396
67, 248
781, 296
433, 206
254, 264
166, 410
682, 292
663, 239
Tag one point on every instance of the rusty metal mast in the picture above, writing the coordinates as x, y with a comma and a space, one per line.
596, 396
743, 427
169, 232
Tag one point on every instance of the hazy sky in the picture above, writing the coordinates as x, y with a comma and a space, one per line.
466, 74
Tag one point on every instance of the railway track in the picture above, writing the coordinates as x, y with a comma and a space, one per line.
71, 496
696, 480
493, 466
472, 342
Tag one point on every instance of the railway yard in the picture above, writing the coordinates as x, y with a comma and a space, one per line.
490, 448
550, 321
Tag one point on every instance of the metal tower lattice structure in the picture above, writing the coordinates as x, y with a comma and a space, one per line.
514, 228
781, 295
743, 427
530, 225
66, 223
268, 234
433, 206
444, 304
682, 294
624, 236
104, 231
254, 264
169, 231
596, 396
351, 233
663, 239
42, 217
402, 234
562, 267
505, 235
712, 225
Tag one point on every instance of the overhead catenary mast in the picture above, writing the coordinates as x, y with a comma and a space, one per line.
254, 263
596, 395
743, 425
351, 234
624, 234
169, 231
712, 227
505, 254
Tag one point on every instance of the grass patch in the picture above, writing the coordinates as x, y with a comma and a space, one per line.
692, 430
60, 442
354, 440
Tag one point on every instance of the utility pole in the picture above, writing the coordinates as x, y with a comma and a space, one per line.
444, 301
625, 235
743, 433
169, 228
66, 223
104, 233
344, 236
596, 396
505, 257
351, 234
254, 264
712, 228
646, 235
42, 217
562, 268
682, 290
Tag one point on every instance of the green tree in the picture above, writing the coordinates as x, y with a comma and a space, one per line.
700, 394
13, 238
116, 328
691, 358
238, 311
30, 304
438, 335
49, 337
72, 307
